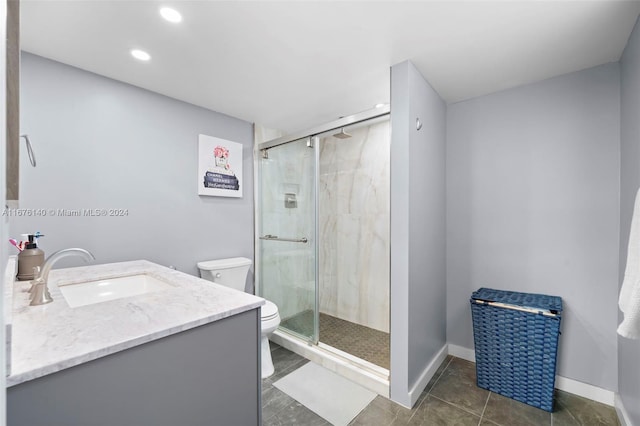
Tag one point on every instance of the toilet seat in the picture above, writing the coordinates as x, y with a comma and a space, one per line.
268, 311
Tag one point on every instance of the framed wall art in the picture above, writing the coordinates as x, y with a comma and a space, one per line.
219, 167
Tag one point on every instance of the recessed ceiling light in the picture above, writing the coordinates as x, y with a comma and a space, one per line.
140, 54
379, 105
171, 15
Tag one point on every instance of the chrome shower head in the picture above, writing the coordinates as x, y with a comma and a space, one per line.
342, 134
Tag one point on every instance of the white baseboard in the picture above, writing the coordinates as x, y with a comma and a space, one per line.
585, 390
575, 387
462, 352
427, 374
623, 416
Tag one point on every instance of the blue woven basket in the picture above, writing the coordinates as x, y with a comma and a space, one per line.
516, 343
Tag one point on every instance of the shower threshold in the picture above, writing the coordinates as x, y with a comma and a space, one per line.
367, 374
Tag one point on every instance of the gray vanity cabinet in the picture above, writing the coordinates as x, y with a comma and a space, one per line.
208, 375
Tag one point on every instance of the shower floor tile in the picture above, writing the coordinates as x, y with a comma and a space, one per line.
301, 323
364, 342
355, 339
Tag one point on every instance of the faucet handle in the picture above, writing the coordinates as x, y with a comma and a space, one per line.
40, 295
34, 281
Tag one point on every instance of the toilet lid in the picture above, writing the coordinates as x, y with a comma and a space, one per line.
268, 310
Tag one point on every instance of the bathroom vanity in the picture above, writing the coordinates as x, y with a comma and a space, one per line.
183, 352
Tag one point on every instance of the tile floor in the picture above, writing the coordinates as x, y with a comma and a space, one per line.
451, 398
364, 342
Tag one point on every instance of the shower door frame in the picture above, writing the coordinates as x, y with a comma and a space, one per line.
334, 125
312, 336
312, 135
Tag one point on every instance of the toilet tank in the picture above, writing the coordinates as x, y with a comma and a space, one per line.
230, 272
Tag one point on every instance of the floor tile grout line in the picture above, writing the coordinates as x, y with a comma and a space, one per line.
440, 375
450, 403
292, 365
414, 411
285, 372
484, 409
568, 411
457, 406
429, 392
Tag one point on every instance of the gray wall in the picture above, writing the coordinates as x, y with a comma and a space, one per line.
100, 143
532, 206
629, 350
418, 280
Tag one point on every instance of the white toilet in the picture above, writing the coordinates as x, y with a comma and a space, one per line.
233, 273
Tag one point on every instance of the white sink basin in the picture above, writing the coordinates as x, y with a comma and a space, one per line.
90, 292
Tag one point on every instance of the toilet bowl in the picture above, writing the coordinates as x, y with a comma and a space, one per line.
233, 273
270, 320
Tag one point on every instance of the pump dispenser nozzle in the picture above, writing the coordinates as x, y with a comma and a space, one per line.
36, 236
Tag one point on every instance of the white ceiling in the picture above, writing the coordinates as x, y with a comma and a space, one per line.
294, 65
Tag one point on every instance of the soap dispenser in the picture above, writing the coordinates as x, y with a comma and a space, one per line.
29, 258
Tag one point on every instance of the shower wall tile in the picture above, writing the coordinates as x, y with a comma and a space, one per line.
354, 226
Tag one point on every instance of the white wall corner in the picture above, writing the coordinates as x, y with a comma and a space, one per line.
426, 375
623, 416
404, 399
462, 352
575, 387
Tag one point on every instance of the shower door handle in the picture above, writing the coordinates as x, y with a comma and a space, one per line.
290, 240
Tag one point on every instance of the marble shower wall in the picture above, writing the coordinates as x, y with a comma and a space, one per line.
354, 226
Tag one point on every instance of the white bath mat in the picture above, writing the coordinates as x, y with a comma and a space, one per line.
327, 394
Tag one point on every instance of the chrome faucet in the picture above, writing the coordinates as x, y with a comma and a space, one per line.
39, 291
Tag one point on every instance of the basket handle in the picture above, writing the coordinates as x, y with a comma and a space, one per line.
516, 308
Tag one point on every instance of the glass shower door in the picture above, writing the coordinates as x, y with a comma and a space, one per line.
287, 232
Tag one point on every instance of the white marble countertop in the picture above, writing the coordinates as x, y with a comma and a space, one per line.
52, 337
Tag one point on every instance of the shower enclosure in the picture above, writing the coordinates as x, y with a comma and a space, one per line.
323, 227
288, 234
